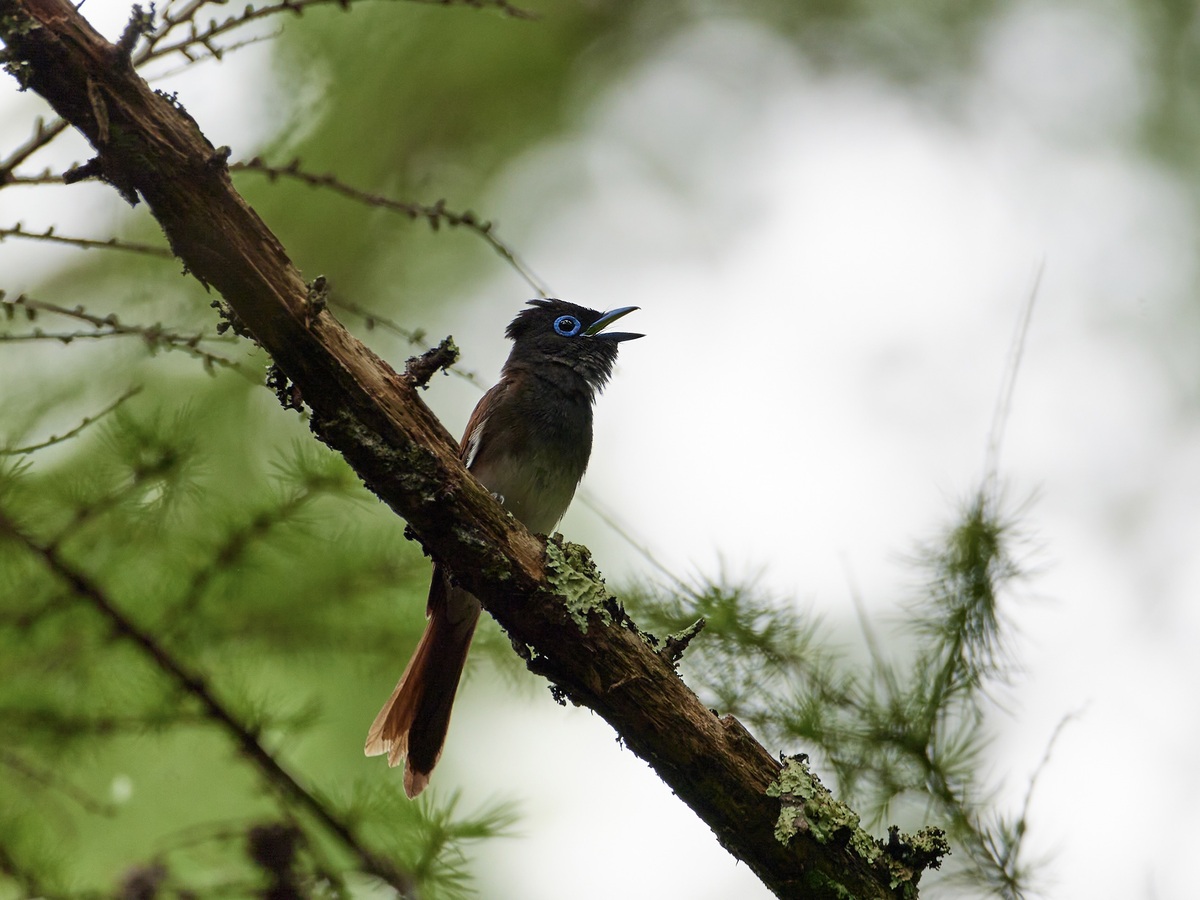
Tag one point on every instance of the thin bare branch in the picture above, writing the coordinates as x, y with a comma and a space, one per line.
156, 336
43, 134
50, 235
217, 53
436, 215
203, 36
1008, 385
46, 176
67, 435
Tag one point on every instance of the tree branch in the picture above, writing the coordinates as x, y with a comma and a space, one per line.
544, 595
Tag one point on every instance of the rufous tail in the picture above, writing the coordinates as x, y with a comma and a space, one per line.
412, 724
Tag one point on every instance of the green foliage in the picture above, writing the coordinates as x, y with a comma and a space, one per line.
191, 589
435, 856
258, 568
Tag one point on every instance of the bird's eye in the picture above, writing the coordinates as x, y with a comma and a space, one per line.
567, 326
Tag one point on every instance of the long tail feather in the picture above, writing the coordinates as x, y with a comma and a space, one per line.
412, 724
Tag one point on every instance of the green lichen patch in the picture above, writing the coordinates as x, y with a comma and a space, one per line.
906, 856
807, 806
676, 644
16, 24
574, 577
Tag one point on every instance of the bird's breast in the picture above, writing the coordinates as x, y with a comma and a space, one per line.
533, 450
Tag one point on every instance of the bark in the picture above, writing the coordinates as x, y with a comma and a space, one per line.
547, 596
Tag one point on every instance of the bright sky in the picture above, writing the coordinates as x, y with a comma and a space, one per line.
829, 275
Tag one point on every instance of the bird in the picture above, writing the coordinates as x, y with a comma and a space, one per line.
528, 441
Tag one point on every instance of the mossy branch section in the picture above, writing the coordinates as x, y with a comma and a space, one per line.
806, 807
150, 150
575, 578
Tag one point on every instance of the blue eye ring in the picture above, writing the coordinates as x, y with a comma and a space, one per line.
568, 326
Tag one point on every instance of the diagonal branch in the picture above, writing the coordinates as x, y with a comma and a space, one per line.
547, 595
78, 429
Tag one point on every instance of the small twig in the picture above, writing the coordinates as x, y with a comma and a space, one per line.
166, 340
193, 684
1012, 367
508, 9
43, 134
675, 645
316, 301
46, 176
435, 215
140, 23
155, 336
212, 53
90, 511
417, 338
1023, 821
637, 543
419, 369
50, 235
171, 18
204, 36
66, 436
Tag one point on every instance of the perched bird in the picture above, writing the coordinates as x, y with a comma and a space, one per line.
528, 442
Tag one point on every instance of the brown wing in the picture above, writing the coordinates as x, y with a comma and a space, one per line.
469, 446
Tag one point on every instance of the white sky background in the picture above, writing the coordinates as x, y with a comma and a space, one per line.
829, 275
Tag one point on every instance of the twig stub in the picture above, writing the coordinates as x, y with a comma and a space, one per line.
419, 369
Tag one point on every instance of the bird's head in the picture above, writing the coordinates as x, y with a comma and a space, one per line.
560, 332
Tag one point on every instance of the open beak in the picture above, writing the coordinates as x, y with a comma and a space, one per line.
607, 319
